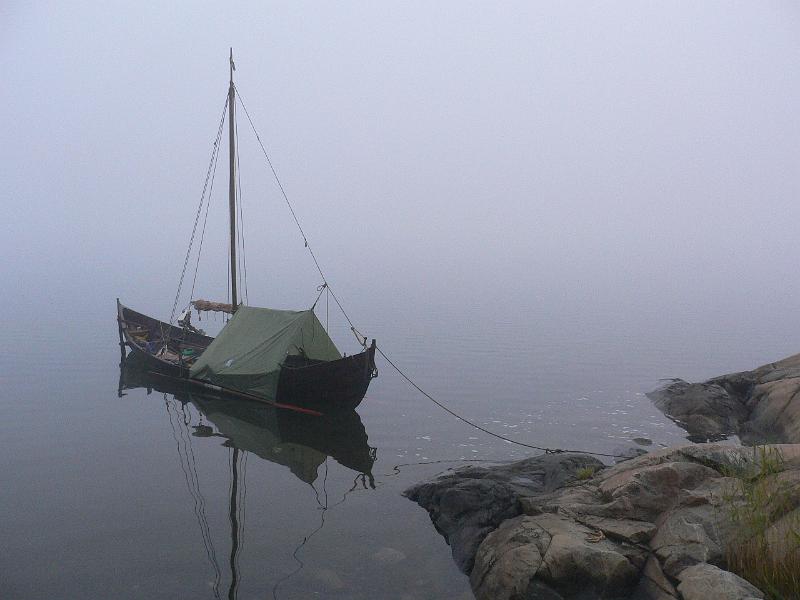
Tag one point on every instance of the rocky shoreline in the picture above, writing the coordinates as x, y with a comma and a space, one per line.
758, 406
656, 527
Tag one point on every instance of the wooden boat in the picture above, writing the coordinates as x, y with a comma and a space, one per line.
275, 356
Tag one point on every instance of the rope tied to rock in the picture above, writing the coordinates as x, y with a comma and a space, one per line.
483, 429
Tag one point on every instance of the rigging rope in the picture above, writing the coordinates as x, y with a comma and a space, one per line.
189, 468
199, 210
361, 338
243, 253
323, 508
205, 221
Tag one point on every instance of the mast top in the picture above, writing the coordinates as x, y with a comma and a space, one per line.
233, 66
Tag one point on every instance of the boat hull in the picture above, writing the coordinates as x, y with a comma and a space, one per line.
143, 335
338, 384
320, 385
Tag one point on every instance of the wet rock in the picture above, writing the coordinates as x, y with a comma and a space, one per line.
467, 503
464, 511
760, 406
652, 528
706, 410
642, 441
704, 581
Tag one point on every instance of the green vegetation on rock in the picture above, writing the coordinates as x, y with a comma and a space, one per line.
762, 504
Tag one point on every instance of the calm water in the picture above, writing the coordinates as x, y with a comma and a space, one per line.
130, 497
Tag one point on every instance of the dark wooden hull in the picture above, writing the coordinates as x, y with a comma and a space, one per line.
338, 384
320, 385
143, 335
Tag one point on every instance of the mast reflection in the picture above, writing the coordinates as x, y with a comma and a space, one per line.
300, 442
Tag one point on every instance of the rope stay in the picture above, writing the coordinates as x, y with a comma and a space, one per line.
362, 339
240, 230
205, 221
188, 464
203, 197
320, 289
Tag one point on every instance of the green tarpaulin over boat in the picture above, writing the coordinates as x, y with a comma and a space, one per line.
248, 352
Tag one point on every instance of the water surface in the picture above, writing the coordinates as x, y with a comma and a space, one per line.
129, 496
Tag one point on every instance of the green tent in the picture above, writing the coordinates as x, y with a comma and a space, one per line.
248, 352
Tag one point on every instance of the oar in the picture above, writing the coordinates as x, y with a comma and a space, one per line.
231, 392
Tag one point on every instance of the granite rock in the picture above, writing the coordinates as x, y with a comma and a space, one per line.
650, 528
759, 406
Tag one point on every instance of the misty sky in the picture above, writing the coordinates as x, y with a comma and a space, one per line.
633, 158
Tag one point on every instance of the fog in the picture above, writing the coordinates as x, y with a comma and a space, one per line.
634, 164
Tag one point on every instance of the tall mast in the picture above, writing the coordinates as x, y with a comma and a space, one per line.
232, 181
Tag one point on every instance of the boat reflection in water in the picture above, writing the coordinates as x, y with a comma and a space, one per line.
298, 441
301, 442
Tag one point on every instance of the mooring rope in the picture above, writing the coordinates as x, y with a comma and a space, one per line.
363, 340
483, 429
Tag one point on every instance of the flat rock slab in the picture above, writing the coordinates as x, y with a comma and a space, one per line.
704, 581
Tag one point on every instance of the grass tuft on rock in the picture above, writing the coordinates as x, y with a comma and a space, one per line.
761, 505
585, 473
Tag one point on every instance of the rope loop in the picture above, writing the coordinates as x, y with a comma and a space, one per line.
362, 339
320, 289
